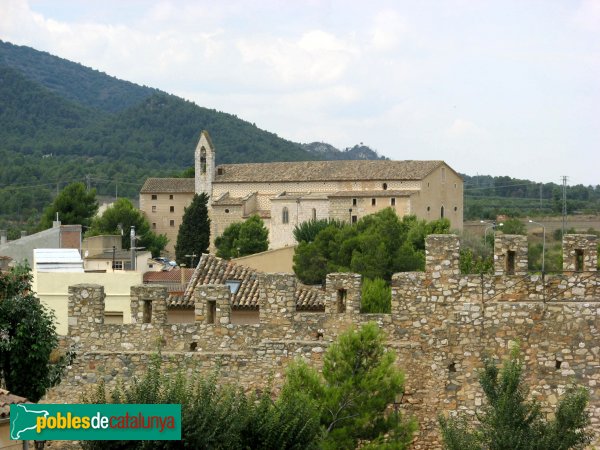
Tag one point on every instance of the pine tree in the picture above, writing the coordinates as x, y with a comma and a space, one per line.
194, 232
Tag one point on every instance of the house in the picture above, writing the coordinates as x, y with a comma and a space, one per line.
285, 194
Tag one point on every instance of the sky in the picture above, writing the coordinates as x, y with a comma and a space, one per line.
507, 87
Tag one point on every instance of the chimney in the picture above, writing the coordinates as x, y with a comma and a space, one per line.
3, 237
23, 233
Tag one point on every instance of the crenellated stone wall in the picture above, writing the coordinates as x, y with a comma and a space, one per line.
441, 325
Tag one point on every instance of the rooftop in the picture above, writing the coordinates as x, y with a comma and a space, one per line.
168, 185
325, 171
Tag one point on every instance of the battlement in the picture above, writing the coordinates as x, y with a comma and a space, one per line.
440, 325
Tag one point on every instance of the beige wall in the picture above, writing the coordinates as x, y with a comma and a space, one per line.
5, 441
143, 262
52, 290
442, 187
160, 219
339, 207
281, 234
271, 261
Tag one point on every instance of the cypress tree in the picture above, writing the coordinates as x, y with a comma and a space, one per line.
194, 232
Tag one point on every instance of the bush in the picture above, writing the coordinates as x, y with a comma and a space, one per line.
243, 238
376, 296
307, 231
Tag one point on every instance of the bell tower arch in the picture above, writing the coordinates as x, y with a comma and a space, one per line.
204, 164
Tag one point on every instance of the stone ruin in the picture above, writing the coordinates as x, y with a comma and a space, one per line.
441, 325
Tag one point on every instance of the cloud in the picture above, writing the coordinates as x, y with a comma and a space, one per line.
387, 31
587, 16
462, 128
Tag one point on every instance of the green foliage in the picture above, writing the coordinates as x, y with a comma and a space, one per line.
476, 255
510, 422
376, 247
376, 296
194, 232
216, 417
74, 205
122, 215
28, 338
359, 382
307, 231
513, 226
243, 238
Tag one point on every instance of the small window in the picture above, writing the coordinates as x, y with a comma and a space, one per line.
171, 208
454, 185
233, 285
147, 313
154, 197
171, 223
154, 225
442, 212
427, 184
314, 214
154, 208
202, 160
579, 260
510, 262
428, 208
220, 171
353, 202
226, 211
393, 201
285, 215
384, 186
373, 201
455, 208
212, 311
354, 219
171, 197
118, 265
341, 300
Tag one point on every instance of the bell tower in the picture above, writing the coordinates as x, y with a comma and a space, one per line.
204, 164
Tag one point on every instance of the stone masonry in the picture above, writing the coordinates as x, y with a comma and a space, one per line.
441, 325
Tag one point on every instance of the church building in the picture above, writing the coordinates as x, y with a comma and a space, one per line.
285, 194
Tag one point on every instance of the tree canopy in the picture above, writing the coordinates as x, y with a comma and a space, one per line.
243, 238
193, 237
376, 247
359, 382
118, 219
28, 338
74, 205
508, 421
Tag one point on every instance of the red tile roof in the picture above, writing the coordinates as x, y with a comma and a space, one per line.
171, 276
7, 399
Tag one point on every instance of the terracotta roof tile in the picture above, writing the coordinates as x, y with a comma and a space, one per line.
171, 276
325, 171
168, 185
213, 270
7, 399
381, 193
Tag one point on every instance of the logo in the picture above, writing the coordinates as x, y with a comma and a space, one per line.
95, 422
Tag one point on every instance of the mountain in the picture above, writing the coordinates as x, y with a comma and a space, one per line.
328, 151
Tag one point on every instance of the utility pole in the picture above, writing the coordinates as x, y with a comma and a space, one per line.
87, 180
541, 186
192, 256
132, 244
564, 208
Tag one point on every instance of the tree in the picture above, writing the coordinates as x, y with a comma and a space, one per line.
509, 422
28, 338
307, 231
194, 232
359, 382
513, 226
216, 416
243, 238
376, 247
376, 296
119, 218
74, 205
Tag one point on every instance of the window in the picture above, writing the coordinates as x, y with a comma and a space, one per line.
442, 212
314, 214
233, 285
226, 211
393, 201
147, 313
341, 300
455, 208
373, 201
578, 260
285, 215
171, 223
202, 160
171, 197
154, 225
153, 208
212, 311
510, 262
220, 171
118, 265
171, 208
384, 186
353, 202
428, 208
154, 197
354, 219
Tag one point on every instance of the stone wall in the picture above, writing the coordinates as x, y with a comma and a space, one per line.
441, 325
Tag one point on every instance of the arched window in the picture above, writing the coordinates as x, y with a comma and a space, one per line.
442, 212
314, 214
202, 160
285, 216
